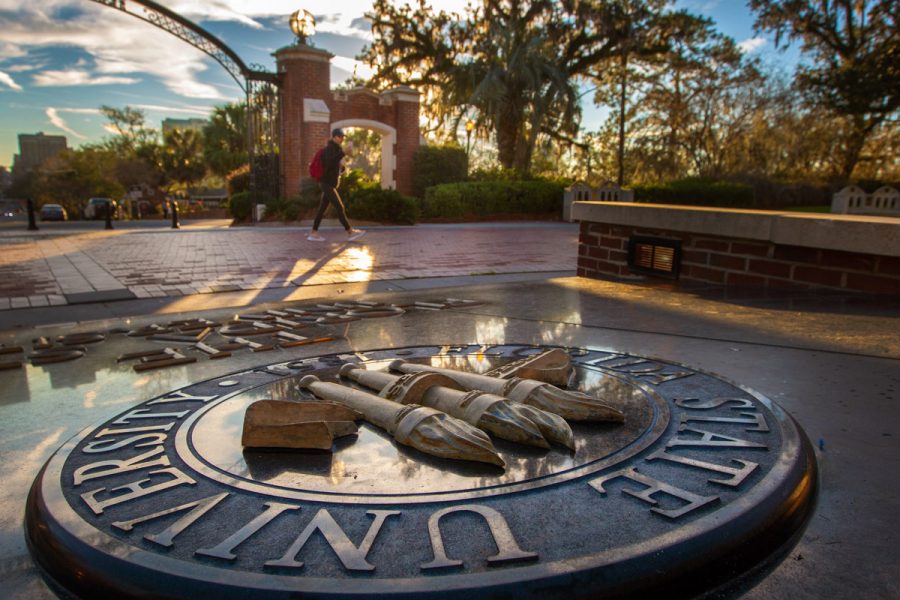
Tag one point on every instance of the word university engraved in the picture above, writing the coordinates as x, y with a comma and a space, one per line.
650, 478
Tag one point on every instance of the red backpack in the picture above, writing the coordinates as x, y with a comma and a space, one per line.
316, 168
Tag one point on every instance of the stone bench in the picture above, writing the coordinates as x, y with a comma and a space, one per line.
752, 248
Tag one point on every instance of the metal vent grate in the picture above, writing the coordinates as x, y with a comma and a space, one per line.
655, 256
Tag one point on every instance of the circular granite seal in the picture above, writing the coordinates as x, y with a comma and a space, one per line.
704, 486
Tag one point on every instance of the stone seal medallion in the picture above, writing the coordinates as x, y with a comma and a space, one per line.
704, 487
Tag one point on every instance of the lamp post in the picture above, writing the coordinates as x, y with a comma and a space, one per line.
303, 24
470, 125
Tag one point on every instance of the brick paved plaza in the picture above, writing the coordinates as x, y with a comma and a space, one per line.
57, 266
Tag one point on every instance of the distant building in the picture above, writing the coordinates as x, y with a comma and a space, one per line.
35, 150
5, 180
173, 124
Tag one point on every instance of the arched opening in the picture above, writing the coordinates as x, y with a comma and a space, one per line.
388, 142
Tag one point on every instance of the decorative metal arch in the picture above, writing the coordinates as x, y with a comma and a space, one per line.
260, 87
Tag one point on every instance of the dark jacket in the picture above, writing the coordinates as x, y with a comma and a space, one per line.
331, 161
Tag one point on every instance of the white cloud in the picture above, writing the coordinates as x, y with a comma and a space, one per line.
23, 67
72, 77
113, 47
352, 66
119, 48
57, 121
201, 111
751, 45
345, 20
8, 81
8, 50
704, 7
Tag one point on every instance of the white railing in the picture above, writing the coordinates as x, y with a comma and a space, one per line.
854, 200
582, 192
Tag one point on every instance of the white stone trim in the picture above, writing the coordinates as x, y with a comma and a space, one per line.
315, 111
388, 144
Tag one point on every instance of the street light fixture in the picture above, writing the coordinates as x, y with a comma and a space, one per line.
303, 24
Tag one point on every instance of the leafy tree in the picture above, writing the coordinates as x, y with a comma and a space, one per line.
517, 63
130, 130
855, 45
366, 152
647, 34
76, 175
225, 139
135, 147
181, 157
697, 100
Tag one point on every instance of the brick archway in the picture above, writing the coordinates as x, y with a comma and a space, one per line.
388, 146
310, 110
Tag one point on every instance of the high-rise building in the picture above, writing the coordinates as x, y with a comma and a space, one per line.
34, 150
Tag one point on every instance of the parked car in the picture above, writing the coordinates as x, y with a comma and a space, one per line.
96, 208
53, 212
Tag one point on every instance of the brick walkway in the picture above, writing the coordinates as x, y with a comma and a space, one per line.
75, 266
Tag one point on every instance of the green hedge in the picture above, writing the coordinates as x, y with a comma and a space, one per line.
285, 209
239, 206
695, 191
384, 206
434, 165
483, 198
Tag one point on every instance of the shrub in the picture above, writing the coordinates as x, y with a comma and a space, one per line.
772, 194
239, 206
351, 180
238, 180
310, 195
696, 191
385, 206
282, 209
483, 198
495, 174
434, 165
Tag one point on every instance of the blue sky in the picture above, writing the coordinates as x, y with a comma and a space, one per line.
60, 60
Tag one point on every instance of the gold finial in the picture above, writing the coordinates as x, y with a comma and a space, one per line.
303, 24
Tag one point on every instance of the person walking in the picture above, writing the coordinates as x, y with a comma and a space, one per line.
328, 182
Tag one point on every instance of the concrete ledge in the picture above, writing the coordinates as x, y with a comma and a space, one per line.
100, 296
849, 233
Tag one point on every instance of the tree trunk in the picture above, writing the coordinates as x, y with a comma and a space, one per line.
620, 180
853, 146
509, 135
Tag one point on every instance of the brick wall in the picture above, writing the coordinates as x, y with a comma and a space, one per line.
603, 252
406, 117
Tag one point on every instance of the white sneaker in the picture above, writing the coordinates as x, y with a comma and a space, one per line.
355, 234
315, 237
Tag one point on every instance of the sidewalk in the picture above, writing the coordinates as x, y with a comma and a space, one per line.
74, 265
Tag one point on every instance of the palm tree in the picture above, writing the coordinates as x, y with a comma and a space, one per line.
516, 64
182, 156
225, 139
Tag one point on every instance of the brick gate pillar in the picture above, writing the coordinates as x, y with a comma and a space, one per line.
305, 109
405, 102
